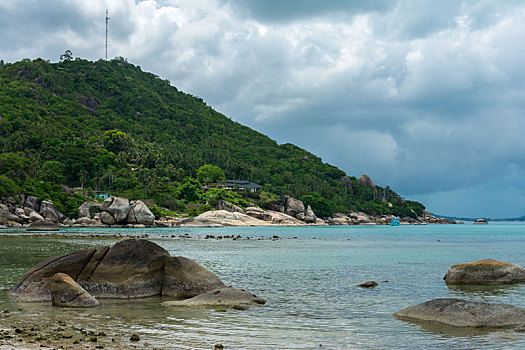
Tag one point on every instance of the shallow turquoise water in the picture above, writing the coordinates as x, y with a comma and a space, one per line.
308, 282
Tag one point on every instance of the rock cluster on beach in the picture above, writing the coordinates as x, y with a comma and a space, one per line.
132, 268
27, 209
120, 212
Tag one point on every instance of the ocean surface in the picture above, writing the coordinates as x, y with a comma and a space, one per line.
308, 278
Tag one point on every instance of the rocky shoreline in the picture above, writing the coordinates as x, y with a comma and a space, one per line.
34, 214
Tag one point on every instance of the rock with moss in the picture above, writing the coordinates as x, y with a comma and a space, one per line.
485, 272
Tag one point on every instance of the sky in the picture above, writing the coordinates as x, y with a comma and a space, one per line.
427, 97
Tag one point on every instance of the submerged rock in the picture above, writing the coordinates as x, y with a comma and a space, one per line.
368, 284
462, 313
65, 292
43, 225
486, 271
132, 268
227, 297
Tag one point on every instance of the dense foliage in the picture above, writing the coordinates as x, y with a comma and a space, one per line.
109, 126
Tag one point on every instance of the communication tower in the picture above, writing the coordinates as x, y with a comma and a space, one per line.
107, 29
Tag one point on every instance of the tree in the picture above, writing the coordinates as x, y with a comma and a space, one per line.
190, 190
117, 141
7, 186
52, 171
321, 206
66, 56
207, 174
14, 165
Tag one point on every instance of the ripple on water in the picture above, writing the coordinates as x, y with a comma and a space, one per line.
309, 285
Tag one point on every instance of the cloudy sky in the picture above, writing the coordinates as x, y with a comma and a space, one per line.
425, 96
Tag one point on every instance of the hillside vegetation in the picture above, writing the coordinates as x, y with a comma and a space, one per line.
109, 126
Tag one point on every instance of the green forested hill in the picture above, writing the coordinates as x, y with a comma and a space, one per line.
110, 126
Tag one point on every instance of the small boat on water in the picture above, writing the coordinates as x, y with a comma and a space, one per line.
395, 221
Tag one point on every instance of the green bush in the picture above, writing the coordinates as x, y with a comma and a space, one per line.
8, 187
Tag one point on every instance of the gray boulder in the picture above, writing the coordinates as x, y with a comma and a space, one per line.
49, 212
65, 292
309, 216
227, 297
107, 218
43, 225
140, 214
293, 206
32, 202
348, 184
132, 268
32, 214
462, 313
483, 272
366, 180
225, 205
117, 207
83, 209
7, 216
258, 213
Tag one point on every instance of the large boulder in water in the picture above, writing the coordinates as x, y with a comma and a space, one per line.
132, 268
462, 313
115, 210
483, 272
65, 292
221, 297
43, 225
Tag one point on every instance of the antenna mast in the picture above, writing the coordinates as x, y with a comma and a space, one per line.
107, 20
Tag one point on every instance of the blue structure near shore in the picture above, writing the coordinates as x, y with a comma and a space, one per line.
395, 221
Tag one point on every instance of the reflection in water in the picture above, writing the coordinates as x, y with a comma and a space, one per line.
484, 292
448, 330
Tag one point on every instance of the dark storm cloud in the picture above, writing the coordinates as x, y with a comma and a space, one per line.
285, 11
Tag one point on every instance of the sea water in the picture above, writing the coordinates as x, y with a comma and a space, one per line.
308, 278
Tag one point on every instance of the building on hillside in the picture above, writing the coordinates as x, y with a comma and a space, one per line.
235, 186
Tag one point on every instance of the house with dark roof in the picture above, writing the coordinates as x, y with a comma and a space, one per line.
235, 185
243, 184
